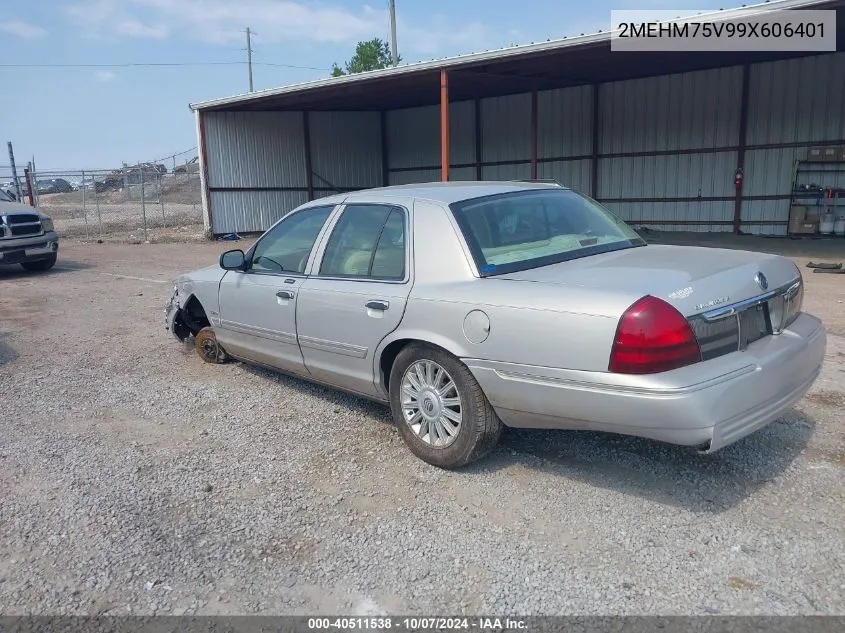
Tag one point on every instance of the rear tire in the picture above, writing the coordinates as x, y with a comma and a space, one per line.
207, 347
40, 265
439, 408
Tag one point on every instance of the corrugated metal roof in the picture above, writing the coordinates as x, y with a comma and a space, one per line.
487, 56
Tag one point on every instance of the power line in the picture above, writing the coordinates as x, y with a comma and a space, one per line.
158, 64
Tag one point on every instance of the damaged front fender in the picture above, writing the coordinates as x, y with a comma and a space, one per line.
175, 318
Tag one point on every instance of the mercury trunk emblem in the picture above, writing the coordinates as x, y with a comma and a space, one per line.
761, 280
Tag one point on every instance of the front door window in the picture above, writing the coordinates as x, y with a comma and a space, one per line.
286, 247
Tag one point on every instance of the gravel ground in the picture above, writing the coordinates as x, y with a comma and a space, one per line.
137, 479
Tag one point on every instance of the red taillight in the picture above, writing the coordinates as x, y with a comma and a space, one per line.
652, 336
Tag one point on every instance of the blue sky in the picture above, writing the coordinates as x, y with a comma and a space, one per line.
99, 117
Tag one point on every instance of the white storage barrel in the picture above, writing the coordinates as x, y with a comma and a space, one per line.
827, 223
839, 226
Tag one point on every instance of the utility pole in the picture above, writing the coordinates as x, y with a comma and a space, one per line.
249, 56
393, 51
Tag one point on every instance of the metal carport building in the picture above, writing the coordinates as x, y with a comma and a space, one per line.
656, 137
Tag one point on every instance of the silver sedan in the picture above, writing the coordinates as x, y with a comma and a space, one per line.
468, 306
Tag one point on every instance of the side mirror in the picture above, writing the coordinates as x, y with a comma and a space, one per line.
233, 260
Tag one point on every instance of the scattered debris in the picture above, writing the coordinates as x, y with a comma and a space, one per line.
823, 266
645, 229
735, 582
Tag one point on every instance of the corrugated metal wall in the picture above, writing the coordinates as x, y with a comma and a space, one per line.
254, 149
667, 146
564, 129
256, 162
649, 119
251, 211
345, 150
413, 139
798, 101
409, 176
259, 151
673, 112
506, 129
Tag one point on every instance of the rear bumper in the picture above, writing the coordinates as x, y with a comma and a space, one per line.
709, 404
14, 251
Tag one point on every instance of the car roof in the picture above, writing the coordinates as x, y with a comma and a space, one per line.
444, 192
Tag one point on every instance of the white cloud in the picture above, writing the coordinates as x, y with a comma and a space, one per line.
109, 18
136, 28
22, 29
104, 76
223, 21
441, 37
274, 20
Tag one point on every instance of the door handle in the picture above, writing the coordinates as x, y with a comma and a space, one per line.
377, 305
284, 294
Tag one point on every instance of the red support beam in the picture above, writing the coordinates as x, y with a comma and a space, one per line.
534, 134
444, 126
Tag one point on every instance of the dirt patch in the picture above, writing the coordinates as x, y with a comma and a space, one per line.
827, 455
827, 398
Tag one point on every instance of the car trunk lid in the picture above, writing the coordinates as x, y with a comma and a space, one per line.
730, 298
692, 279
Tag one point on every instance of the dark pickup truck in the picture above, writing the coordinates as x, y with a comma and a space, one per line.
27, 237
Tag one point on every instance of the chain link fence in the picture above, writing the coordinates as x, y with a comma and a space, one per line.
145, 202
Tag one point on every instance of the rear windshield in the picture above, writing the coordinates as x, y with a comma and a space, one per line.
525, 229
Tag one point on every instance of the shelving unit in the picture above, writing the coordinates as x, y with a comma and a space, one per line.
828, 175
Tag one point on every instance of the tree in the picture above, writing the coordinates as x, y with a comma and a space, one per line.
371, 55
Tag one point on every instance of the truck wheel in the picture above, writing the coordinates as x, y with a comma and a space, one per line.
40, 265
439, 408
205, 344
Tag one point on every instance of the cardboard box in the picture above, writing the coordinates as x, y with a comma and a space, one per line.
797, 213
815, 153
808, 226
825, 154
